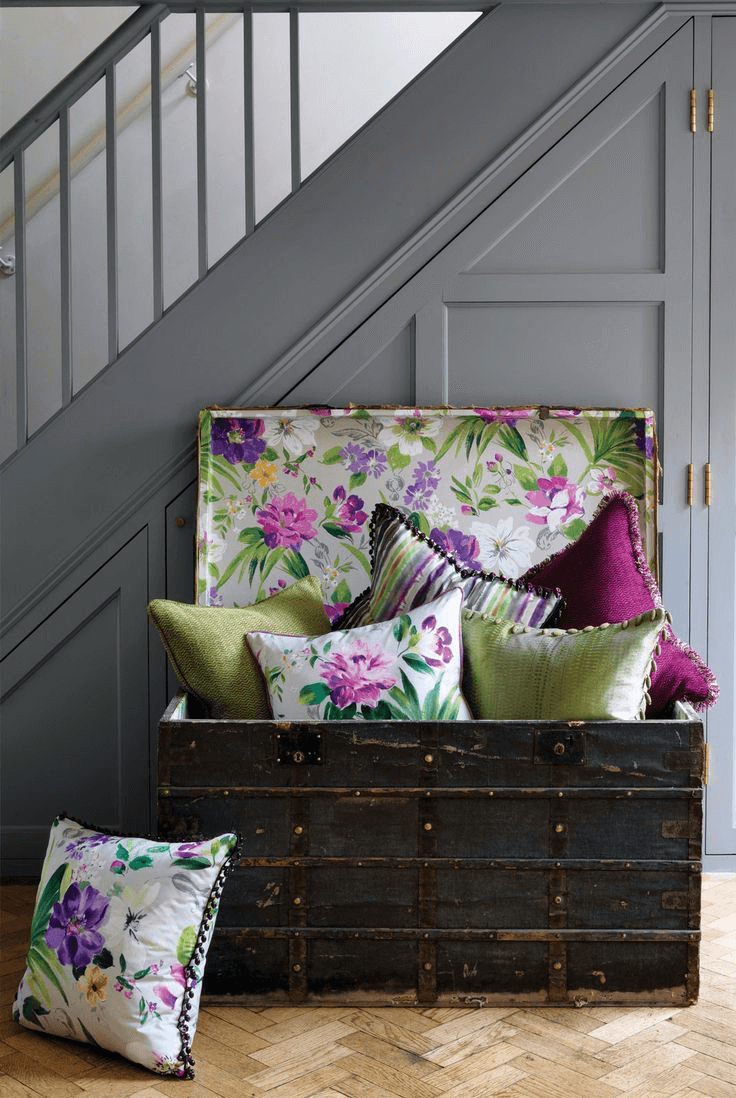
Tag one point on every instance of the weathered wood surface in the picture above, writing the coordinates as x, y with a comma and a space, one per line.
451, 863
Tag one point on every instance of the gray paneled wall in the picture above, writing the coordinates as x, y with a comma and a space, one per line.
469, 247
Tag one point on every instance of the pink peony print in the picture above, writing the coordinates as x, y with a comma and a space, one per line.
358, 676
287, 522
555, 503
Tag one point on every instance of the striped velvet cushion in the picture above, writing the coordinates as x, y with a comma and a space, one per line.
408, 569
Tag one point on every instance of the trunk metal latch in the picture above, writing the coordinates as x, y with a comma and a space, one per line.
298, 748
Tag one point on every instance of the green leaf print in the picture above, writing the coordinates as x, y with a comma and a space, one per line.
185, 945
396, 459
314, 694
295, 564
558, 466
49, 897
332, 456
526, 478
417, 663
574, 529
141, 862
342, 593
510, 438
336, 530
33, 1009
43, 962
191, 863
356, 479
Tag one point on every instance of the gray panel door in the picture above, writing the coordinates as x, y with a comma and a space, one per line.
721, 515
572, 288
74, 712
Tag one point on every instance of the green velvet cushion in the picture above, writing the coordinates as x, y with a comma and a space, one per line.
517, 672
207, 649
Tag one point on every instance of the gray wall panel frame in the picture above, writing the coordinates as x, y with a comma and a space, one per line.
721, 515
122, 586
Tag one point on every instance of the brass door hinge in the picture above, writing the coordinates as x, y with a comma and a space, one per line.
708, 486
693, 110
690, 484
711, 111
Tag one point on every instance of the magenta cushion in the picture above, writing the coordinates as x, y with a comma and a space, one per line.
604, 576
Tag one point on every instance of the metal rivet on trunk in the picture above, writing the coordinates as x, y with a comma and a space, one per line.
427, 826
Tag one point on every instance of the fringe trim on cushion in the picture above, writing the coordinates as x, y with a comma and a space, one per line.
632, 510
714, 690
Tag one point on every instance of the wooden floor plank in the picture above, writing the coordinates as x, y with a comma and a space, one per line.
402, 1059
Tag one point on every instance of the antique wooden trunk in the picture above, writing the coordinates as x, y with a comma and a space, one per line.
460, 862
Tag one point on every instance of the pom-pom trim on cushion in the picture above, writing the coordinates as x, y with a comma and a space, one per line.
637, 548
383, 511
198, 956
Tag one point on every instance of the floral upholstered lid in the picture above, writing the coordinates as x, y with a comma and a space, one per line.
284, 493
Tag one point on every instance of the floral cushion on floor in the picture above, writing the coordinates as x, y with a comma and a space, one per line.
118, 942
405, 669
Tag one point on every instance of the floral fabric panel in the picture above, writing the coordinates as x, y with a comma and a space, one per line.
284, 493
407, 569
118, 942
408, 668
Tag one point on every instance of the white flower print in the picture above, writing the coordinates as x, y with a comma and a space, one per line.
295, 435
504, 548
438, 514
407, 432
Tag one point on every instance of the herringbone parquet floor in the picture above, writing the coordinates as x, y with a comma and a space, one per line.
594, 1052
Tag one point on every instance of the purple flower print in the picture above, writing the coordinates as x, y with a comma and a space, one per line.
555, 503
442, 646
214, 598
287, 522
508, 416
73, 925
178, 973
238, 439
359, 460
334, 610
165, 996
351, 514
644, 442
189, 850
463, 547
358, 676
425, 480
429, 623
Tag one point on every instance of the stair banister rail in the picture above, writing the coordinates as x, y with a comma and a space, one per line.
100, 65
55, 105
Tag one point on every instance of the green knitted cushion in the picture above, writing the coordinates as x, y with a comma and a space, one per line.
517, 672
207, 649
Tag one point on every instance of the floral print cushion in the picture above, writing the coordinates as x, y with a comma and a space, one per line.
118, 942
409, 568
408, 668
